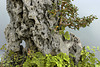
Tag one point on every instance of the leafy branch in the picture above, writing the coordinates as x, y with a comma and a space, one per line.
68, 16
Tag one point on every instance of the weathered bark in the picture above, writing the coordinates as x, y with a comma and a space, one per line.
31, 22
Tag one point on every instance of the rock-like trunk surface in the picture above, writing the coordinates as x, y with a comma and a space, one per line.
31, 22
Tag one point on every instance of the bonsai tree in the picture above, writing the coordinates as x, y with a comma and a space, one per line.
68, 16
41, 24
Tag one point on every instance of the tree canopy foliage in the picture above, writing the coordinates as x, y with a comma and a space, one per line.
68, 17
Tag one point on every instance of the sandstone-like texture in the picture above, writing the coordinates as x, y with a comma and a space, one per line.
31, 22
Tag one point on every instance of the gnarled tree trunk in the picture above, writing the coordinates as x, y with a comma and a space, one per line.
31, 22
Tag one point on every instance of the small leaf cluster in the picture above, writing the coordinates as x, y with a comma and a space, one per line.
37, 59
66, 34
68, 17
3, 47
13, 59
88, 58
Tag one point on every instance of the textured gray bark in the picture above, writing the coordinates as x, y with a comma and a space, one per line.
30, 21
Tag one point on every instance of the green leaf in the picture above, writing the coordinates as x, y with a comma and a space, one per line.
97, 65
94, 47
98, 48
93, 50
88, 47
67, 35
96, 18
82, 52
71, 55
92, 60
61, 32
17, 66
87, 53
63, 27
5, 44
1, 48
